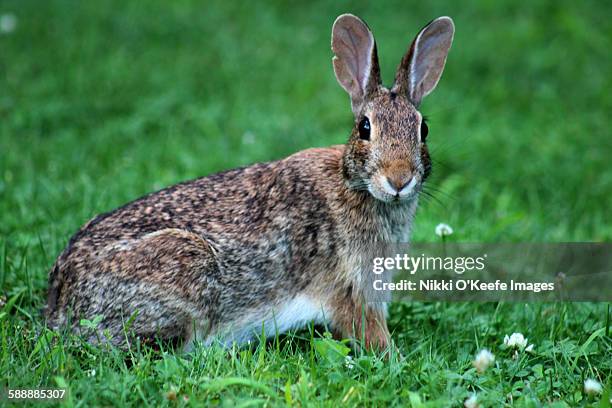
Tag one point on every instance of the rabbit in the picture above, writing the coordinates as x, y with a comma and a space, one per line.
272, 246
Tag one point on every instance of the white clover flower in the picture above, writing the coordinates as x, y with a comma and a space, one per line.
349, 363
529, 348
592, 387
483, 360
471, 402
443, 230
8, 23
515, 340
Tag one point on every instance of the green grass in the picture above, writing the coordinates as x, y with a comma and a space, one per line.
101, 102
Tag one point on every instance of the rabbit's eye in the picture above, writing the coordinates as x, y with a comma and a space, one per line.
364, 128
424, 130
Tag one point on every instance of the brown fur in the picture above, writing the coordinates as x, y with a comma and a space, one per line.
221, 253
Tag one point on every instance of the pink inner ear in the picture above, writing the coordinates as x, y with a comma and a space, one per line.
355, 49
431, 49
352, 43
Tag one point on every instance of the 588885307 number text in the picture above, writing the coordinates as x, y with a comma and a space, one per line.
35, 394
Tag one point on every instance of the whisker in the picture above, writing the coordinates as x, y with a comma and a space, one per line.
429, 196
438, 190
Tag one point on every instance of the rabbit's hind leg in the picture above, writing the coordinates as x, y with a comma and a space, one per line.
159, 286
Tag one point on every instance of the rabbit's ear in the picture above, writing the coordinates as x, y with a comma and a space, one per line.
355, 61
422, 66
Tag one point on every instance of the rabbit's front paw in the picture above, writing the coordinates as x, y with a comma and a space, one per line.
377, 340
366, 325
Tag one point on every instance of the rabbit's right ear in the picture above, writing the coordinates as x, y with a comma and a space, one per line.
355, 61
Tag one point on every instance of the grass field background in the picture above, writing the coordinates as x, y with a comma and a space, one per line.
101, 102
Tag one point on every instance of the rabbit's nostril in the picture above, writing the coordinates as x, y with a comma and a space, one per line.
406, 184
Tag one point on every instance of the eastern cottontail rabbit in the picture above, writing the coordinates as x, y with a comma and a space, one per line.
277, 244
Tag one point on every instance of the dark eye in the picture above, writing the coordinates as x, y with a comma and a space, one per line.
424, 130
364, 128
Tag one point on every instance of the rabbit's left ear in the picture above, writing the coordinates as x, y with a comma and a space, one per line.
355, 61
422, 66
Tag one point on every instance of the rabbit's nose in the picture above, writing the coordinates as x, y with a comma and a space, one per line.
398, 182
